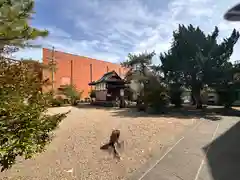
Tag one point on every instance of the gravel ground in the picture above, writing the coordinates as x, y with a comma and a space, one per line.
74, 152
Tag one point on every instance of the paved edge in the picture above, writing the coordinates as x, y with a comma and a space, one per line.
157, 155
204, 157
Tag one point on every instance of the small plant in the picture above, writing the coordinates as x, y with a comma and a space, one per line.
157, 99
71, 92
175, 93
57, 102
92, 94
227, 97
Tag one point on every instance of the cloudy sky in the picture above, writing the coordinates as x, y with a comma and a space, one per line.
110, 29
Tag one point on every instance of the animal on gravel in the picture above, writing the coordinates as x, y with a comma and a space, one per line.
114, 140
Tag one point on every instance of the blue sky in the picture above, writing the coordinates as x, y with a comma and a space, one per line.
110, 29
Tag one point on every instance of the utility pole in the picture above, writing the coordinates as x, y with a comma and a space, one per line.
71, 72
91, 74
52, 66
72, 101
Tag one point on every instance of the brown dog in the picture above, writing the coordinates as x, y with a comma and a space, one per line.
114, 139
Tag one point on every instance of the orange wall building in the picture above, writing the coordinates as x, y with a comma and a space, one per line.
81, 70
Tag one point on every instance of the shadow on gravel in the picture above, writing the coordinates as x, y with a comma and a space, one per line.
223, 156
187, 112
213, 113
89, 106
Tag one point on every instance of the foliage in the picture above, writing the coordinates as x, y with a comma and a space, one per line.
71, 92
24, 125
228, 94
14, 28
175, 94
138, 62
58, 101
92, 94
37, 68
157, 99
227, 84
153, 92
196, 59
226, 98
129, 93
138, 66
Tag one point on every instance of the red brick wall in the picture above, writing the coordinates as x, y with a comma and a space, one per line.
81, 69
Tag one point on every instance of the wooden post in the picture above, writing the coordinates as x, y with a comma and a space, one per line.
71, 72
122, 102
52, 64
91, 75
107, 68
71, 81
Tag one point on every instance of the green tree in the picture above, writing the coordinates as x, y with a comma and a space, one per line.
37, 68
227, 84
138, 66
157, 99
175, 93
15, 30
172, 76
152, 90
195, 58
25, 127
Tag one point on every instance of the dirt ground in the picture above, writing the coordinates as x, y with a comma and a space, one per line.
75, 151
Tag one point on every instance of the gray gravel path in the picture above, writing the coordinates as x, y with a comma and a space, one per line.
186, 159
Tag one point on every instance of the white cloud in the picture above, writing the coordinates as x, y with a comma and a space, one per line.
115, 28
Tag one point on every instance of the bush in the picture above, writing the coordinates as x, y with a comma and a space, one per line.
87, 99
157, 99
128, 93
227, 97
25, 127
175, 93
92, 94
71, 92
57, 102
141, 105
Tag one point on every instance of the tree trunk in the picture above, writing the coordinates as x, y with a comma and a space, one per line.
197, 97
122, 102
193, 99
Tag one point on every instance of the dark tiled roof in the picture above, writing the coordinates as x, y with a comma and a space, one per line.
106, 77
